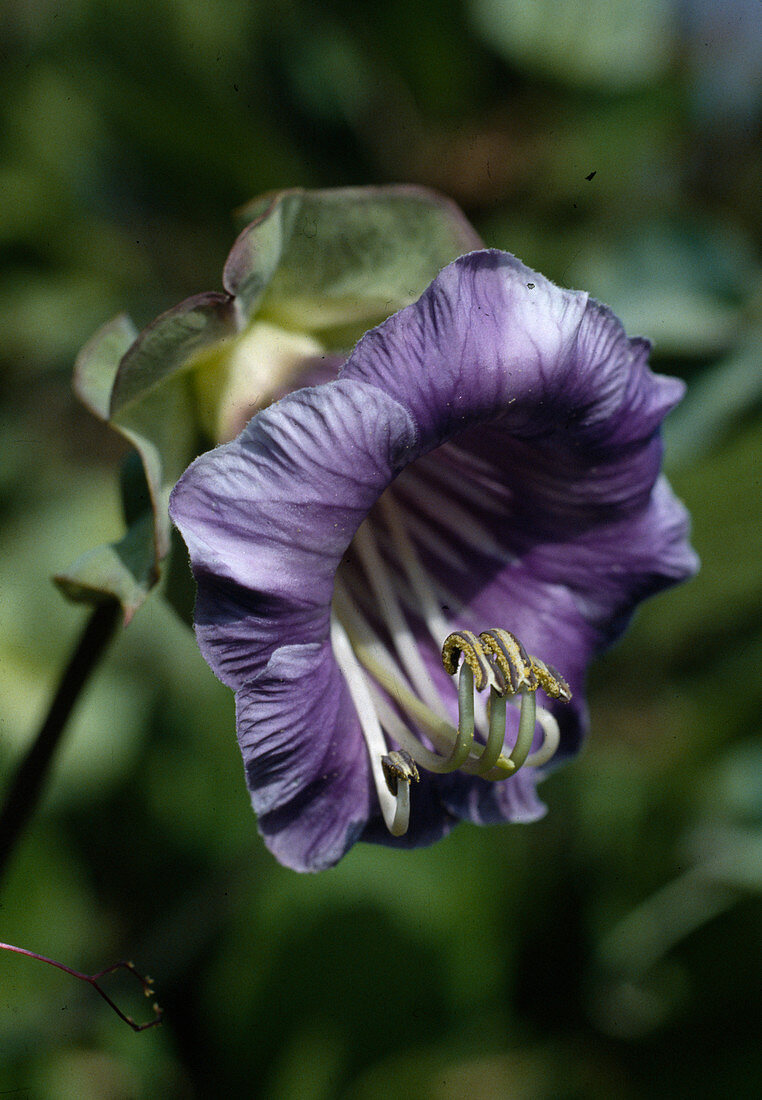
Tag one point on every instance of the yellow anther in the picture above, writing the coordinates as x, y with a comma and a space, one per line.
511, 659
466, 643
551, 681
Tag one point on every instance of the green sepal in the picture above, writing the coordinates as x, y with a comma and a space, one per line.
98, 362
334, 263
326, 264
159, 423
125, 570
133, 489
167, 346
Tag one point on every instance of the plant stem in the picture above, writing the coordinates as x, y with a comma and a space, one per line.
26, 786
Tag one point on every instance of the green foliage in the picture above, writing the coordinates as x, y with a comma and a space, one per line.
603, 43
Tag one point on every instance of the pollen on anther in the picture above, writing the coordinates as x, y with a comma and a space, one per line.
511, 658
550, 680
399, 767
465, 643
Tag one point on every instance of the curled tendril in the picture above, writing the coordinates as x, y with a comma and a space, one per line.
94, 981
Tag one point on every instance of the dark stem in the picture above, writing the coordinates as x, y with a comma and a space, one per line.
26, 786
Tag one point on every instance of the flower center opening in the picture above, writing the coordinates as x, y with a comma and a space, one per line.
395, 697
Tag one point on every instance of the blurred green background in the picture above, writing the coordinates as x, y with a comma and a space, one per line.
612, 950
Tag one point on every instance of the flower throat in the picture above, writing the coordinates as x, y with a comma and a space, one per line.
377, 673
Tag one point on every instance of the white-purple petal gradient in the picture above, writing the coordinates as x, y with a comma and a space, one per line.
514, 428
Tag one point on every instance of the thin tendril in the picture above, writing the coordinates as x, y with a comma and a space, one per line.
94, 980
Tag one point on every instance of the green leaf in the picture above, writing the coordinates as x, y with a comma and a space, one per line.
678, 282
598, 43
162, 429
315, 262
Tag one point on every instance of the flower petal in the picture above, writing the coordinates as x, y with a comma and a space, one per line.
268, 517
524, 426
513, 799
548, 418
492, 338
546, 516
306, 763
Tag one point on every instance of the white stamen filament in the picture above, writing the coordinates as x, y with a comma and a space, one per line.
397, 730
551, 740
376, 674
408, 600
395, 808
377, 660
419, 594
478, 489
379, 663
402, 636
444, 509
479, 469
436, 543
428, 603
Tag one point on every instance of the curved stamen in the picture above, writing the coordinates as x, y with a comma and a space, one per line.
550, 743
525, 736
511, 658
399, 770
455, 745
404, 737
379, 664
401, 821
465, 643
496, 658
495, 739
551, 681
516, 673
394, 807
399, 767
